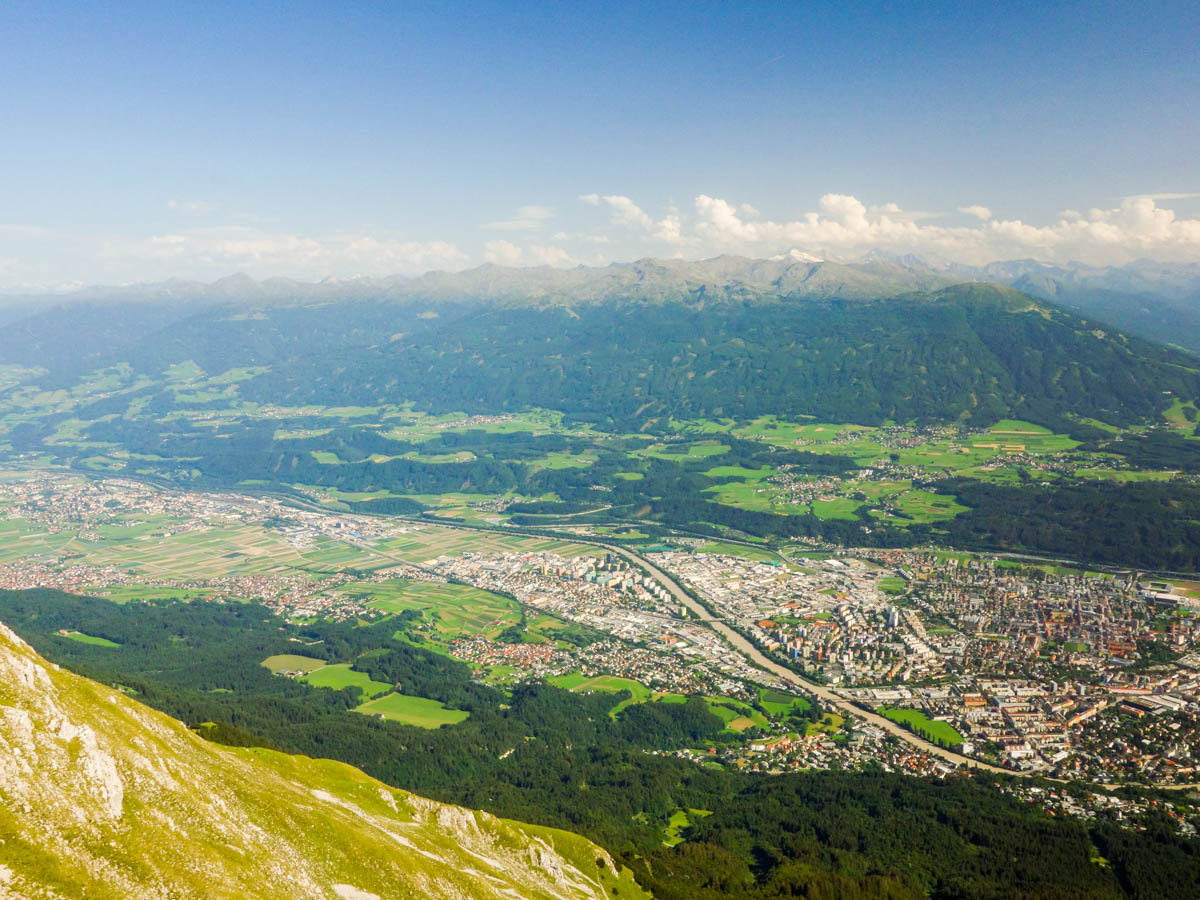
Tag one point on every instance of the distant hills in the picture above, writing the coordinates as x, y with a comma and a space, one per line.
1155, 300
636, 345
103, 797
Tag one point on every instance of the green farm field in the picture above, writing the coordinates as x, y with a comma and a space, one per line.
455, 610
289, 662
412, 711
427, 542
342, 676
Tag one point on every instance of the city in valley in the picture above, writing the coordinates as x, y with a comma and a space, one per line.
918, 661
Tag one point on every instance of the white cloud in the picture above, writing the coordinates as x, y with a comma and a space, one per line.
550, 256
844, 224
1167, 196
838, 226
503, 253
215, 251
980, 212
526, 218
626, 212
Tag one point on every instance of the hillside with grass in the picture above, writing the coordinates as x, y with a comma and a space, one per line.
103, 797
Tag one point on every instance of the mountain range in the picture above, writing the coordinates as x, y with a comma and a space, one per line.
1150, 299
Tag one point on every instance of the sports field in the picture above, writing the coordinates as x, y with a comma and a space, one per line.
412, 711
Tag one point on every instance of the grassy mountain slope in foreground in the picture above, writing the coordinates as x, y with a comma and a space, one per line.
103, 797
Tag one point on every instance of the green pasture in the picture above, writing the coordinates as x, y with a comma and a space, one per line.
82, 638
780, 704
417, 711
829, 724
1124, 475
455, 610
750, 495
342, 676
683, 451
288, 662
681, 819
929, 728
577, 682
1177, 416
736, 715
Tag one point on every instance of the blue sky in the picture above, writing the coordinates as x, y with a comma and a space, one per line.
196, 139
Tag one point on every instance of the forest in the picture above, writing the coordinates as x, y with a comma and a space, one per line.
969, 352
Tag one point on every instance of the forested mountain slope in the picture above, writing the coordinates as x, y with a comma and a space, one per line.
969, 352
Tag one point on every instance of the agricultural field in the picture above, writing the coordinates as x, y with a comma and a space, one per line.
416, 711
939, 732
676, 452
340, 676
288, 662
452, 610
427, 542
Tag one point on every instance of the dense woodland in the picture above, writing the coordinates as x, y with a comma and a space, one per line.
971, 352
803, 835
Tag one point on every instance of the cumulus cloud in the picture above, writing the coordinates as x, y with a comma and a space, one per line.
550, 256
844, 224
525, 219
626, 212
503, 253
